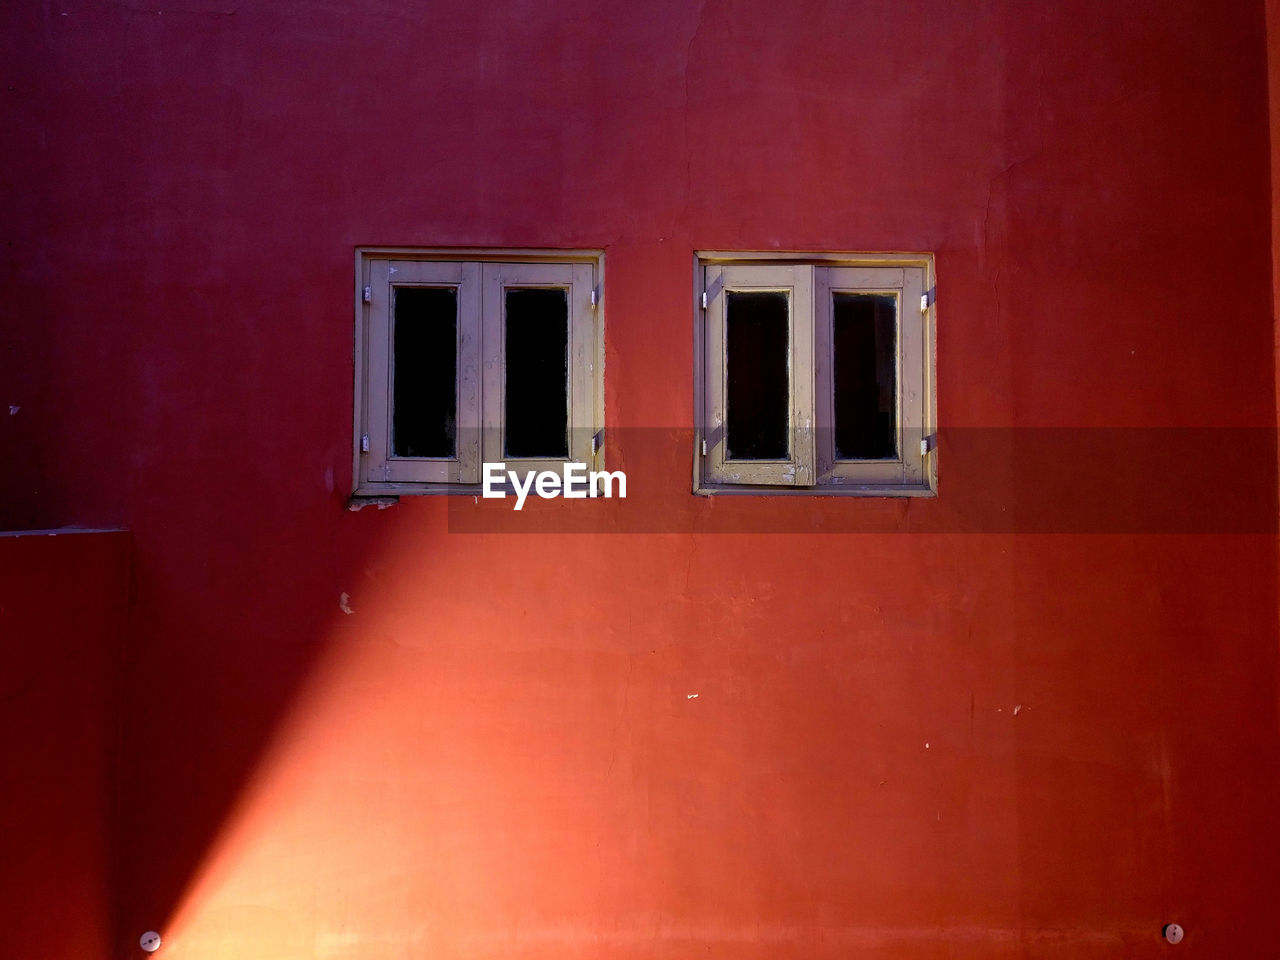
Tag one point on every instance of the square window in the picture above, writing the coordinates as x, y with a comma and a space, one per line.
815, 374
465, 357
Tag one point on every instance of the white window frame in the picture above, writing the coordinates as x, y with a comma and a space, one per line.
810, 280
481, 278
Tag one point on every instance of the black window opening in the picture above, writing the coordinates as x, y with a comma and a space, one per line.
864, 346
537, 373
757, 382
424, 419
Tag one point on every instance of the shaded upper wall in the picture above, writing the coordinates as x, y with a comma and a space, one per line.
192, 180
1273, 91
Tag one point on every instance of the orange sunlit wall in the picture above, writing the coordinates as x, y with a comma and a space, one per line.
1035, 717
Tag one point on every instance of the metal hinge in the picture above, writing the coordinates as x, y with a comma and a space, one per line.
704, 299
364, 444
597, 441
594, 298
368, 293
929, 298
704, 446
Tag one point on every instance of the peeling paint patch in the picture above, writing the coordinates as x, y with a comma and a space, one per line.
344, 603
691, 696
1017, 709
359, 503
13, 409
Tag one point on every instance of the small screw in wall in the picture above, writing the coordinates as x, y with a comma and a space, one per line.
1172, 932
149, 941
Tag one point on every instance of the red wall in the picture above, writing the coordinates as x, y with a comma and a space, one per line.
992, 739
63, 612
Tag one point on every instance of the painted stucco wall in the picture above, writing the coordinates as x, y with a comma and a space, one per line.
915, 733
63, 622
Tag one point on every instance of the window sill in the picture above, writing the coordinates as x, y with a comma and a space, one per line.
863, 490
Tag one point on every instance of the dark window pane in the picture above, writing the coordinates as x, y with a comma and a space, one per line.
425, 373
537, 395
757, 392
864, 343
